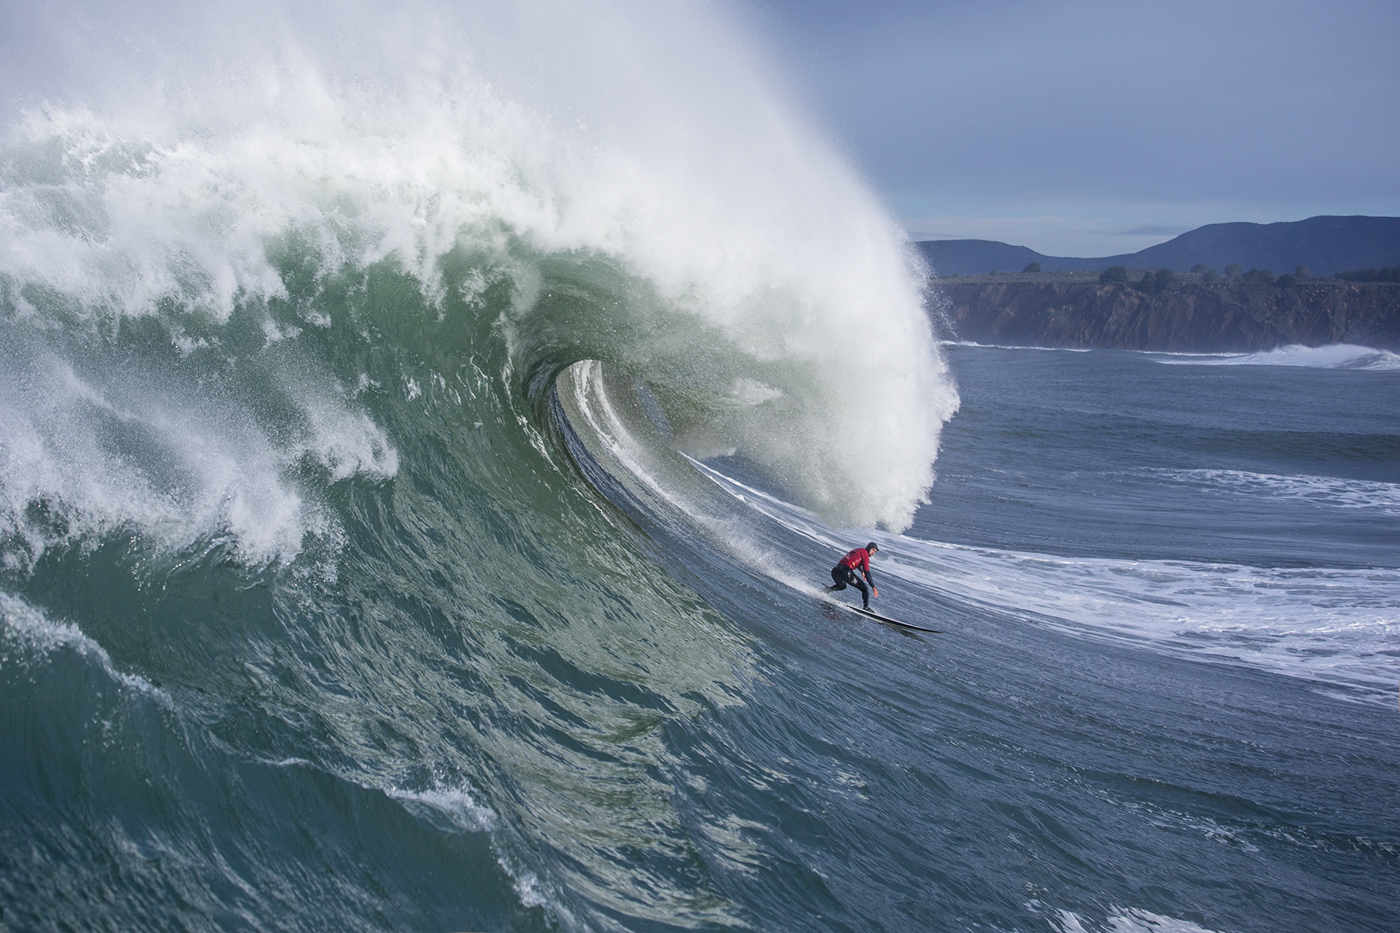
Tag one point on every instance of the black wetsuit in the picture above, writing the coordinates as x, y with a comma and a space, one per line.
844, 574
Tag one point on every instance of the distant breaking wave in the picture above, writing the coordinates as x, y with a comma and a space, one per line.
1334, 356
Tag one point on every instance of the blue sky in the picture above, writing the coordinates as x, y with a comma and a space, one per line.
1094, 128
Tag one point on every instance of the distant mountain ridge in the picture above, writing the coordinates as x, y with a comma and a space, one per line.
1324, 244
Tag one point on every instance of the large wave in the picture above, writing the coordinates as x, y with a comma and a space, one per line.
315, 325
611, 183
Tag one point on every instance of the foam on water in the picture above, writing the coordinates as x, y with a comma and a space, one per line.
1333, 626
1333, 356
1322, 491
106, 452
1129, 921
29, 630
457, 804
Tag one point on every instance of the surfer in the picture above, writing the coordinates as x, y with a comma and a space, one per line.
844, 573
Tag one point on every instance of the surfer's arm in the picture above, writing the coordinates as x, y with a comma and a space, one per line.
869, 576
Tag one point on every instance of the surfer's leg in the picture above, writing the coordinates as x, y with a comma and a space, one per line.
859, 584
838, 579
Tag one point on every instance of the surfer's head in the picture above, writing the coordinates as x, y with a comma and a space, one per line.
872, 547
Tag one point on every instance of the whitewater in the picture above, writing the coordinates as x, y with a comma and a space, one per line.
426, 430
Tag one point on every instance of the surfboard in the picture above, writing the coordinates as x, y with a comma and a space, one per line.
885, 619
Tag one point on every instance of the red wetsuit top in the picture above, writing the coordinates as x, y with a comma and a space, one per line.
859, 559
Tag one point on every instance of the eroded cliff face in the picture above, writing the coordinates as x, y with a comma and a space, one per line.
1187, 316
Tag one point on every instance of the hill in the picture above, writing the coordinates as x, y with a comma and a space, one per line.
1324, 244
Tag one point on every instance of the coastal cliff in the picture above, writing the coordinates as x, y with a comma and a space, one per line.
1076, 310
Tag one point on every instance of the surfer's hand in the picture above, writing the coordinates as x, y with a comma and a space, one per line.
874, 592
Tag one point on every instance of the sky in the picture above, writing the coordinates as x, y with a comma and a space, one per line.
1098, 128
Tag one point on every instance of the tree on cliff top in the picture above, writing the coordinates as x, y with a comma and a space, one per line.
1154, 282
1032, 267
1114, 275
1384, 274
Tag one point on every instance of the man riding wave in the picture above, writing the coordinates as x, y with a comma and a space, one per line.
844, 573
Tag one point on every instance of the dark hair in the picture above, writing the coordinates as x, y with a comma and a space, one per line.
872, 546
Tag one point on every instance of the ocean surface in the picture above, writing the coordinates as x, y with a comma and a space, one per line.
420, 472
